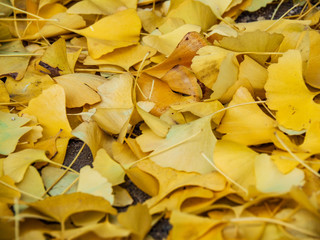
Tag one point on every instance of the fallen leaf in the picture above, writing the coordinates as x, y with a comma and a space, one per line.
11, 130
49, 108
102, 40
270, 180
14, 65
293, 111
92, 182
54, 60
240, 120
184, 146
166, 43
59, 208
86, 84
16, 164
108, 168
137, 220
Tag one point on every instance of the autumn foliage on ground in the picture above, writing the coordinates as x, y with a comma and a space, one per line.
218, 121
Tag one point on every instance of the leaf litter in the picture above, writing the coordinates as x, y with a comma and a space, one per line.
217, 121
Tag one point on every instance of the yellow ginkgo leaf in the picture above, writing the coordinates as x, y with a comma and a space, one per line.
148, 140
16, 164
54, 60
137, 220
92, 135
228, 75
312, 70
112, 120
32, 183
207, 63
237, 162
49, 108
11, 130
15, 65
30, 86
4, 97
257, 41
149, 19
285, 162
100, 6
166, 43
184, 146
158, 126
175, 200
83, 83
111, 32
108, 168
189, 226
311, 141
59, 208
270, 180
170, 180
253, 72
116, 92
202, 109
121, 197
246, 124
288, 94
92, 182
123, 57
8, 190
194, 12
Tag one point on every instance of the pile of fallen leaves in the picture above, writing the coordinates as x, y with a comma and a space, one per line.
228, 112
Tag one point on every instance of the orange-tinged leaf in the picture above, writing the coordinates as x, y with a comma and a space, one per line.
59, 208
181, 55
49, 108
117, 34
181, 79
11, 130
153, 89
289, 96
247, 124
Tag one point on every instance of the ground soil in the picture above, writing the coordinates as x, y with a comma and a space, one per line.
162, 228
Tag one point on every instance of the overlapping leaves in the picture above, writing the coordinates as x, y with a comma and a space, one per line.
217, 122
